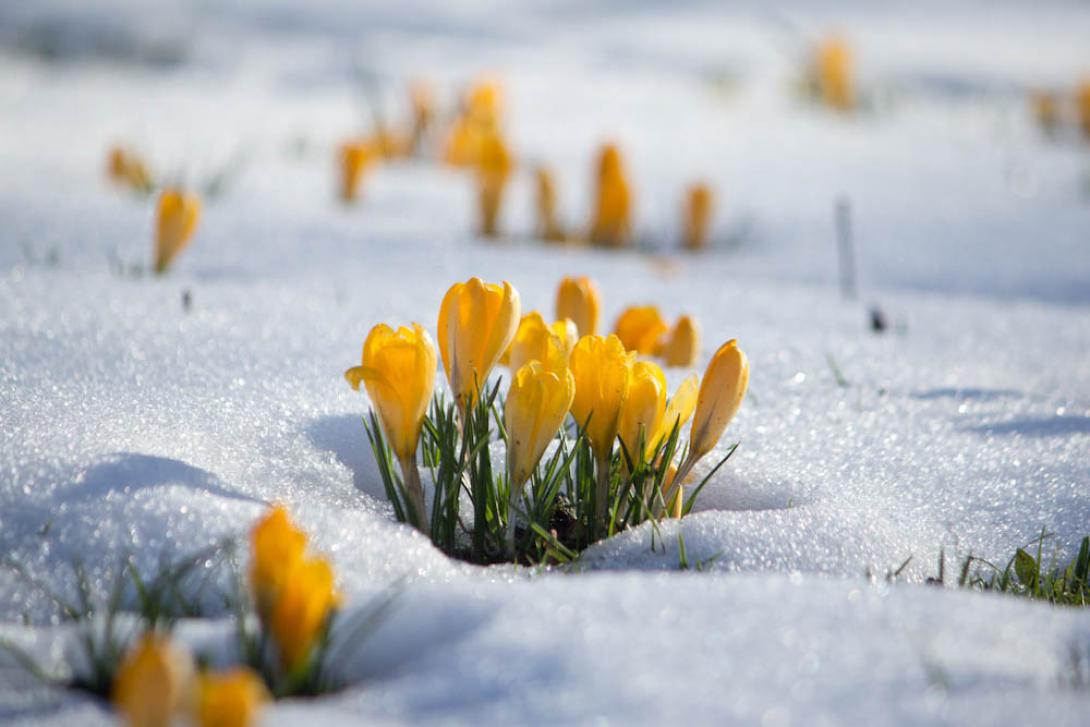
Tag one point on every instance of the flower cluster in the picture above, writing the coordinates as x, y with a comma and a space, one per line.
623, 465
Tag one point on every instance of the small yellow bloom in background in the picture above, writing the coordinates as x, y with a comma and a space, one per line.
177, 216
477, 321
577, 299
682, 345
548, 228
640, 329
277, 550
612, 222
834, 74
462, 145
301, 612
153, 683
1046, 109
479, 118
127, 168
1082, 105
602, 369
699, 203
230, 699
536, 340
721, 393
354, 158
643, 410
537, 402
398, 370
494, 164
484, 103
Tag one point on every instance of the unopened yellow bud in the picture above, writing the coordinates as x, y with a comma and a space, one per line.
537, 402
354, 158
612, 223
302, 610
577, 299
548, 228
494, 165
537, 341
721, 392
477, 321
643, 410
698, 216
834, 74
640, 329
602, 369
278, 548
682, 346
230, 699
178, 213
153, 683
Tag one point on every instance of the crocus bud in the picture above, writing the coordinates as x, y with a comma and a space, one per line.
644, 408
1082, 103
834, 74
577, 299
721, 392
354, 157
640, 329
602, 370
537, 341
178, 213
398, 371
484, 104
477, 321
153, 682
494, 166
301, 612
612, 223
548, 228
462, 145
678, 411
277, 550
230, 699
682, 345
537, 402
698, 216
125, 167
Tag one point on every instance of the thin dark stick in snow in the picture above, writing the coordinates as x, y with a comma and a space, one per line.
845, 248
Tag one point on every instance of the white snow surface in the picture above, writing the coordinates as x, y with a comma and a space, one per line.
131, 426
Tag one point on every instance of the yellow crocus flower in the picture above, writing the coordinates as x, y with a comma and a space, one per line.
698, 216
230, 699
302, 610
398, 370
484, 103
177, 216
640, 329
643, 410
548, 228
683, 344
612, 223
577, 299
494, 166
153, 682
721, 393
602, 369
537, 402
278, 548
536, 340
834, 74
354, 158
477, 321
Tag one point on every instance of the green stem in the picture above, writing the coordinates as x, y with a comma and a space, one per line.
414, 491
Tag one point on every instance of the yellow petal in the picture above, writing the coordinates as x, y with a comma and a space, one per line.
277, 551
178, 214
601, 368
153, 682
578, 300
643, 408
682, 346
230, 699
640, 329
698, 216
537, 402
301, 612
721, 392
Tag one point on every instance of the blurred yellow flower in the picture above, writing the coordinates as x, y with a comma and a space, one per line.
177, 216
477, 321
721, 392
548, 228
834, 74
278, 548
153, 683
354, 157
494, 166
612, 222
125, 167
537, 402
643, 410
537, 341
398, 370
302, 610
230, 698
683, 344
602, 370
1082, 104
577, 299
698, 216
640, 329
484, 103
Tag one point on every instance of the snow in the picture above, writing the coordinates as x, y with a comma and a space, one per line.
135, 427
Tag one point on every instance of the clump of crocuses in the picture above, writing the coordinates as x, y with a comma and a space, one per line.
592, 435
